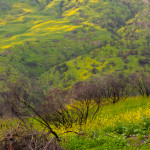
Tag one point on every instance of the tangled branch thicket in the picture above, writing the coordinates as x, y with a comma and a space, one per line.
23, 137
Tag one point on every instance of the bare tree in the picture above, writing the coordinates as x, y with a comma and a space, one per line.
18, 102
87, 96
141, 82
21, 137
54, 108
117, 87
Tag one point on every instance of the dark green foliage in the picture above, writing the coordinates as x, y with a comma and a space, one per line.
4, 6
94, 71
143, 62
61, 68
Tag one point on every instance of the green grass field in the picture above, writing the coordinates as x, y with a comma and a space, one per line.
124, 125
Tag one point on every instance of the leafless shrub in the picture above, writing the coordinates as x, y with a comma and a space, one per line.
22, 137
88, 95
141, 82
116, 87
19, 106
54, 109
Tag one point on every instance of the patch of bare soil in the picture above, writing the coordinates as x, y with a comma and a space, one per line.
145, 1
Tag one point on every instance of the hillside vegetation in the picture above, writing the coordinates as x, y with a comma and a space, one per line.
95, 114
68, 41
74, 74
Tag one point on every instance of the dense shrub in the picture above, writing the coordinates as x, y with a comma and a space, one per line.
143, 62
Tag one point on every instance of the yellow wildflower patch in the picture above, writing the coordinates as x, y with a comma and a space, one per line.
47, 24
71, 12
89, 24
102, 66
40, 29
20, 18
6, 46
17, 5
12, 38
27, 10
137, 30
132, 116
70, 28
93, 1
36, 22
50, 4
41, 24
3, 22
12, 44
81, 1
130, 21
121, 30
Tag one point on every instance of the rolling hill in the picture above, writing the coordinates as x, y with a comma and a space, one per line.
60, 42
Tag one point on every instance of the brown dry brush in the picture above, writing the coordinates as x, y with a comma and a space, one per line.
85, 97
54, 108
82, 93
88, 96
141, 82
20, 107
80, 100
22, 138
117, 87
53, 111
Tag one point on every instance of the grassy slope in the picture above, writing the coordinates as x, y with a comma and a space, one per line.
127, 54
37, 36
124, 125
26, 20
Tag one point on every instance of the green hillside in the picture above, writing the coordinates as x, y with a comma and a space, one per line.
74, 74
62, 41
127, 52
